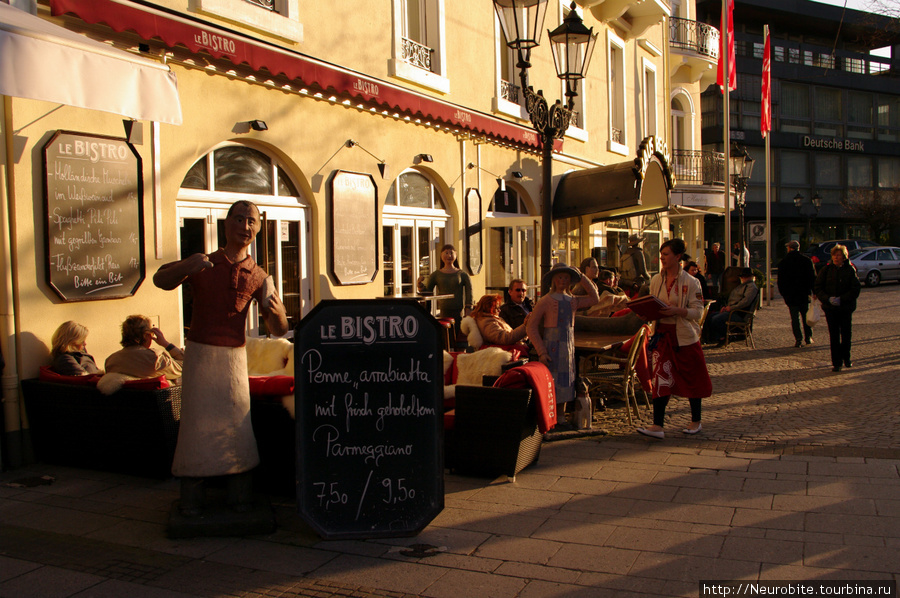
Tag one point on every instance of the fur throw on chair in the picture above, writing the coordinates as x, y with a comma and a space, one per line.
469, 327
472, 366
272, 357
112, 382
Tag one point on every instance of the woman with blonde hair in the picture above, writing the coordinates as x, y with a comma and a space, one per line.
494, 330
68, 353
137, 358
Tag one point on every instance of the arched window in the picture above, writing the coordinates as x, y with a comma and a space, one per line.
414, 221
282, 246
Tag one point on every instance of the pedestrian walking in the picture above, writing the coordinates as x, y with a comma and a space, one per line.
715, 265
837, 288
796, 278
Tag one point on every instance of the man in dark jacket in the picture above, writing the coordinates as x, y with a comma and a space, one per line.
743, 298
796, 277
715, 265
518, 306
837, 287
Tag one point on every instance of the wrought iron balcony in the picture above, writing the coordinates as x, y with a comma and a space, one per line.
417, 54
267, 4
617, 136
694, 36
698, 167
509, 91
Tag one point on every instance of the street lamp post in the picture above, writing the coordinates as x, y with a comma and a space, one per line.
741, 169
809, 212
573, 45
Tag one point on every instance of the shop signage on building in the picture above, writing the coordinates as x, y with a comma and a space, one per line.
93, 208
369, 405
833, 143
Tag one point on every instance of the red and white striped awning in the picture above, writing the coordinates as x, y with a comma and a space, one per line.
43, 61
201, 37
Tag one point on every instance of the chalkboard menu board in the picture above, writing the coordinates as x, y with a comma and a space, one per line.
354, 238
93, 207
369, 403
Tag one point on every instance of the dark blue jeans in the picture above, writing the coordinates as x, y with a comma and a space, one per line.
718, 323
798, 322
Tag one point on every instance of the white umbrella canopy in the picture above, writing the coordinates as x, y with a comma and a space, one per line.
43, 61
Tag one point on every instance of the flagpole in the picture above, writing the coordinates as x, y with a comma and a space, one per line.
767, 136
726, 135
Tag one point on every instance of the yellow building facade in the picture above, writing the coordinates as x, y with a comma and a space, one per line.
369, 133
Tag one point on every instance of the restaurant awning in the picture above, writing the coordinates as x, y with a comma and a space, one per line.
220, 43
43, 61
640, 186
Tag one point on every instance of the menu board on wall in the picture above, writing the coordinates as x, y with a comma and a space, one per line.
93, 207
354, 217
369, 404
473, 230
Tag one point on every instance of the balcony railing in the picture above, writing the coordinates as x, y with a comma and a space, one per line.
267, 4
616, 135
509, 92
417, 54
693, 167
694, 36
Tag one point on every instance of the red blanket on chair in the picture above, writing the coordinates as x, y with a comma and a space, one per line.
535, 376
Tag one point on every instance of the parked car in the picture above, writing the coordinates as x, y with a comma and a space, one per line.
820, 253
874, 264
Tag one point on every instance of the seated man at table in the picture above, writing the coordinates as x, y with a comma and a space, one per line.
612, 299
742, 298
517, 308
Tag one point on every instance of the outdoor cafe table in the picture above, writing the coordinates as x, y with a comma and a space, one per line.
588, 343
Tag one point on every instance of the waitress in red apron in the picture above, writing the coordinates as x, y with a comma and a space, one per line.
677, 363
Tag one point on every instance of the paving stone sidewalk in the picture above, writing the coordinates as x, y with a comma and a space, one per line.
796, 476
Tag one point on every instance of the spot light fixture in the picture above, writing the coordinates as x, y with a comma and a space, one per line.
424, 158
259, 125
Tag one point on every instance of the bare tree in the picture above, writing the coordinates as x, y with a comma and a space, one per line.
878, 208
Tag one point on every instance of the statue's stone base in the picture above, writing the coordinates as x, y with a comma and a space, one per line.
218, 519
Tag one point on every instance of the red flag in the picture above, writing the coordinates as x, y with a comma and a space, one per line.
729, 35
765, 121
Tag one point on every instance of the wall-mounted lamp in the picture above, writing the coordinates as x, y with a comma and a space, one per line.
423, 158
382, 167
500, 181
259, 125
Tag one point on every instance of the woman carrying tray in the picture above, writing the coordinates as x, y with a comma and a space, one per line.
677, 362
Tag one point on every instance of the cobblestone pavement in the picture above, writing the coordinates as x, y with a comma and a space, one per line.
787, 399
795, 477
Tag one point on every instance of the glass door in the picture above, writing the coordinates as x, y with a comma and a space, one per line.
279, 248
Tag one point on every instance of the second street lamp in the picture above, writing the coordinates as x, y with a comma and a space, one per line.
573, 45
741, 169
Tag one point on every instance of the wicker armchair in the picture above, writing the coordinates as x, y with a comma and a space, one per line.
131, 431
495, 432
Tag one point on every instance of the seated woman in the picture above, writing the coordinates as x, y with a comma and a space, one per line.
494, 330
137, 357
68, 354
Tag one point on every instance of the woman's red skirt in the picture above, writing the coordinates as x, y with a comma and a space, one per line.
678, 370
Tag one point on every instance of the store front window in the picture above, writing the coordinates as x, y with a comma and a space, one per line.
413, 231
282, 246
511, 242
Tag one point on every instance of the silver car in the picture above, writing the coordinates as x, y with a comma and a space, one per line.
874, 264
